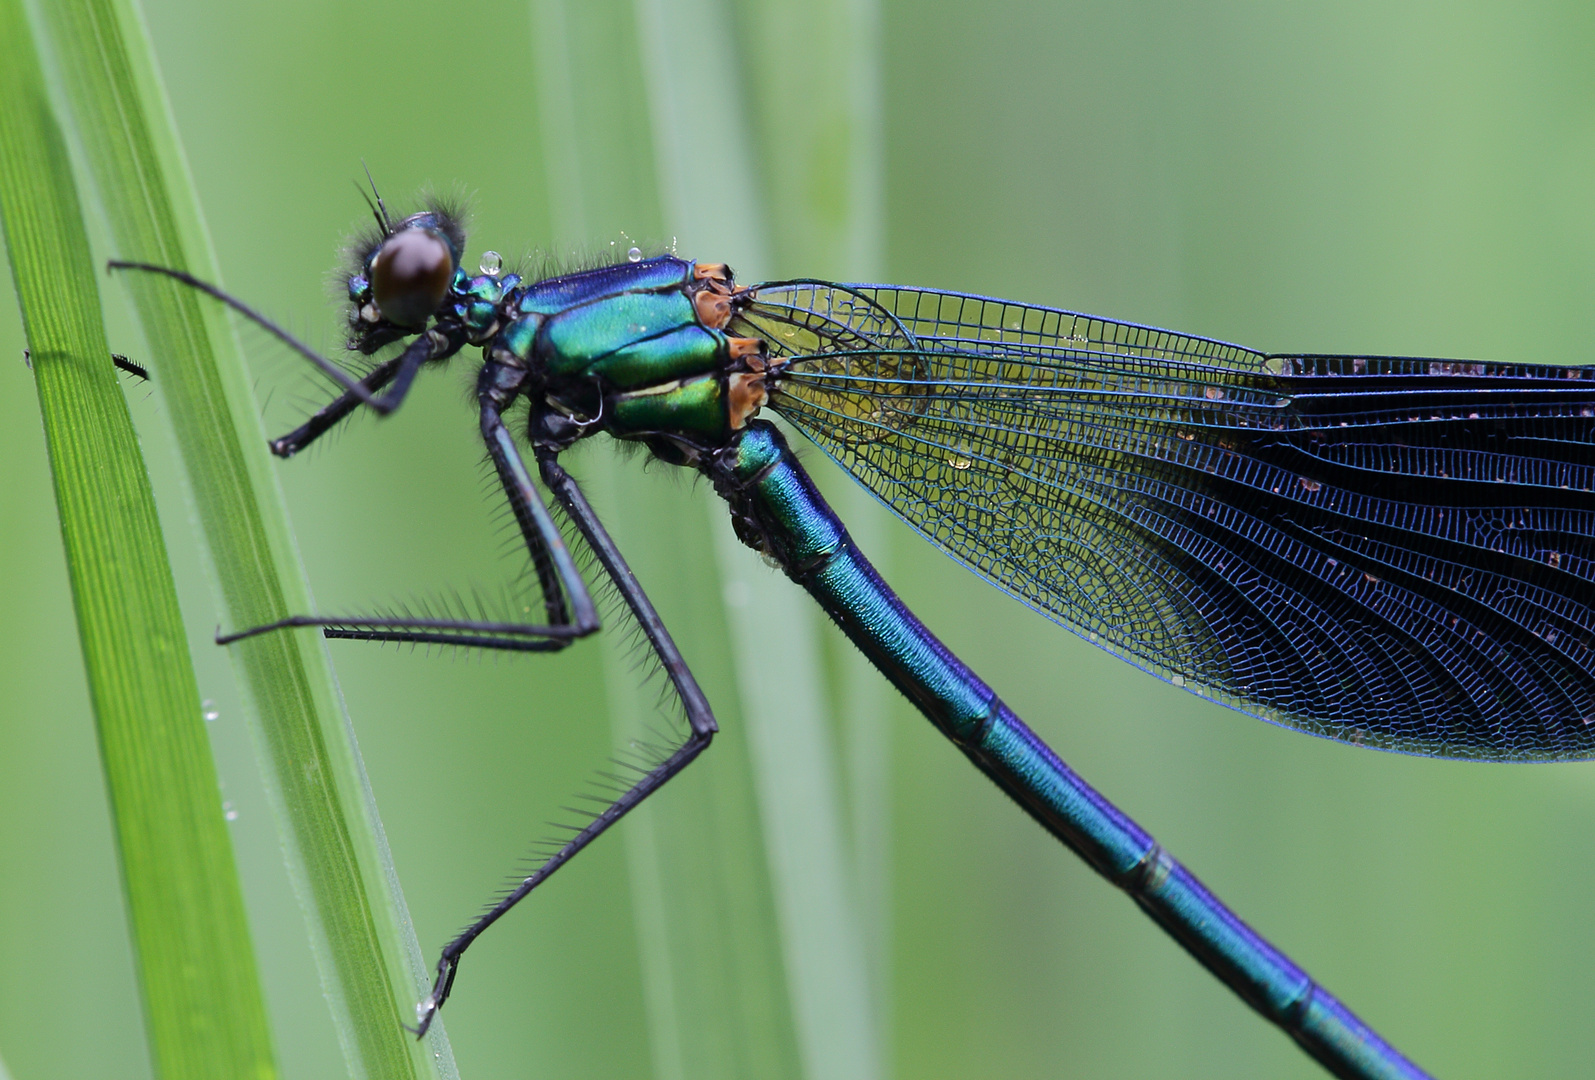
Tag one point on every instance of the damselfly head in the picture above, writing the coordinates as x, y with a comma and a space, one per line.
402, 275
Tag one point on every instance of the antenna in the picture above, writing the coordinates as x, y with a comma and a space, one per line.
379, 210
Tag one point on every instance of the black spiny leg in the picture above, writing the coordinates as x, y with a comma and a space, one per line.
124, 364
434, 344
699, 717
569, 606
118, 361
328, 416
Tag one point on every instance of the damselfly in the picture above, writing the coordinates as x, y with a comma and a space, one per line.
1393, 552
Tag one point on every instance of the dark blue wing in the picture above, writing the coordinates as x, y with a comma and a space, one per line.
1394, 552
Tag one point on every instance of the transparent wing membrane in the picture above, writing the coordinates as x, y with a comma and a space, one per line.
1395, 552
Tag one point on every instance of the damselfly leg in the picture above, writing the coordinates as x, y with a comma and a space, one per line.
700, 721
568, 603
327, 417
433, 345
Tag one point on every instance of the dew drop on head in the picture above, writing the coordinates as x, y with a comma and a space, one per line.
491, 262
634, 255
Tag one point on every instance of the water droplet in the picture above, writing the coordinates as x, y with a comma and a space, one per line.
228, 812
210, 709
634, 255
492, 262
959, 462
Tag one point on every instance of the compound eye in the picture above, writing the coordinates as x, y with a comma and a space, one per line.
410, 276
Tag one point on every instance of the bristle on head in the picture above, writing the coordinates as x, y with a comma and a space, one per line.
449, 217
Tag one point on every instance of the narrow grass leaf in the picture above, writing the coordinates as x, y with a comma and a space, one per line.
370, 963
203, 1006
812, 77
715, 977
794, 750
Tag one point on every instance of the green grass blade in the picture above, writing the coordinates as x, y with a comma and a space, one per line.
717, 1000
360, 933
797, 768
204, 1011
718, 996
812, 77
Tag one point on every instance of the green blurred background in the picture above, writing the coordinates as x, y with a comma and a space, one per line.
1402, 178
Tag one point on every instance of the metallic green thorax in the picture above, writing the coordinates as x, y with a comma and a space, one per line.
638, 350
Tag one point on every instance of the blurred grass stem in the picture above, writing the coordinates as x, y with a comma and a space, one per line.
203, 1008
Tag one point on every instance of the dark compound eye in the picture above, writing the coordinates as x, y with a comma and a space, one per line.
411, 275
